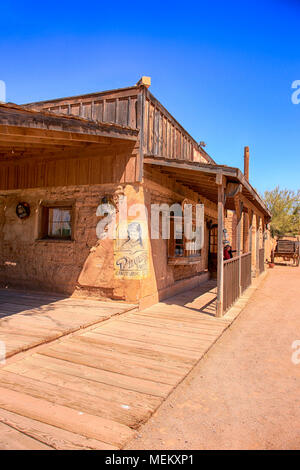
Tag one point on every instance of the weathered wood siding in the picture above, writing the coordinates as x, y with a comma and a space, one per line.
136, 107
163, 136
119, 106
41, 173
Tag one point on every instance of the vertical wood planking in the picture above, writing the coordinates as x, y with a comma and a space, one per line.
140, 120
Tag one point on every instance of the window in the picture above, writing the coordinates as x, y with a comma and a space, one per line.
213, 239
176, 242
182, 250
56, 222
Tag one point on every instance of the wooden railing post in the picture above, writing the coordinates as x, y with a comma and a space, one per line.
257, 244
221, 181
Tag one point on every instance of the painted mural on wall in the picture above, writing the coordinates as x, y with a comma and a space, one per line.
131, 260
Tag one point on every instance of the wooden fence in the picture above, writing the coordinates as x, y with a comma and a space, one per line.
261, 260
231, 282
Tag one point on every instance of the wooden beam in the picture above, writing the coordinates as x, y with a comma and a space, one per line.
207, 169
245, 232
239, 205
13, 135
250, 205
233, 189
220, 180
190, 166
252, 191
96, 97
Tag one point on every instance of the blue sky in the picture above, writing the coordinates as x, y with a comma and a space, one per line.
223, 69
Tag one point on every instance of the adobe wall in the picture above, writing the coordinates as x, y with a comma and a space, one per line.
57, 266
166, 278
86, 265
231, 224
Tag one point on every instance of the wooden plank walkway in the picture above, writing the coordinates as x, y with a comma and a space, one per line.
94, 389
28, 319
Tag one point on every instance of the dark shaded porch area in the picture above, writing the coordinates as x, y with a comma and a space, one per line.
201, 300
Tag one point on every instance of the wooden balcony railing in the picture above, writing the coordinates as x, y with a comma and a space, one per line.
231, 282
161, 134
115, 106
164, 137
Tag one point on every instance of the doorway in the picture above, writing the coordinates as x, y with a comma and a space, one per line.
212, 248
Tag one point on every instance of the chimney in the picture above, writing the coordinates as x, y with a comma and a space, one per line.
246, 162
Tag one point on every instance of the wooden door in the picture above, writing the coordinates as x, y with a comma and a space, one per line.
213, 248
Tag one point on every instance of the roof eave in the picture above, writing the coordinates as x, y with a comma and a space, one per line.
232, 173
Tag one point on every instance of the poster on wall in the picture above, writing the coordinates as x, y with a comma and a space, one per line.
131, 259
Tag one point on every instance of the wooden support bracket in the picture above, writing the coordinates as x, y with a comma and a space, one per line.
233, 189
239, 206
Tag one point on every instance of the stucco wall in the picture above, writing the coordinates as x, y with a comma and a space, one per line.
230, 225
159, 189
85, 265
28, 262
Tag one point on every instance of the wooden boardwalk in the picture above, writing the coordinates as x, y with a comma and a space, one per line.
94, 389
28, 319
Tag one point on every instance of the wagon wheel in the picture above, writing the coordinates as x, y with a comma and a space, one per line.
298, 261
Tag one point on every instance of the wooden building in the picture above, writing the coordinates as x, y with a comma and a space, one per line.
60, 159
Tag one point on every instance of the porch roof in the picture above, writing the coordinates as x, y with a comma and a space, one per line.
22, 128
201, 177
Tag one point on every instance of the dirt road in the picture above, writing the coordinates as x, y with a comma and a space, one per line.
245, 394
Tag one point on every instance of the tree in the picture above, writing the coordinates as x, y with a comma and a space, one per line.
284, 206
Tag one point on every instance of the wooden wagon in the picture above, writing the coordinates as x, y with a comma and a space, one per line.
288, 250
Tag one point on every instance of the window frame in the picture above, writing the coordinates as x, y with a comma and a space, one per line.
44, 221
186, 257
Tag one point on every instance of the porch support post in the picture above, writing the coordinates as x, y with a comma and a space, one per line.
257, 244
263, 235
250, 215
221, 181
238, 210
246, 232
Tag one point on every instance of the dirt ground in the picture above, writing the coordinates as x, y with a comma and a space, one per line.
245, 393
